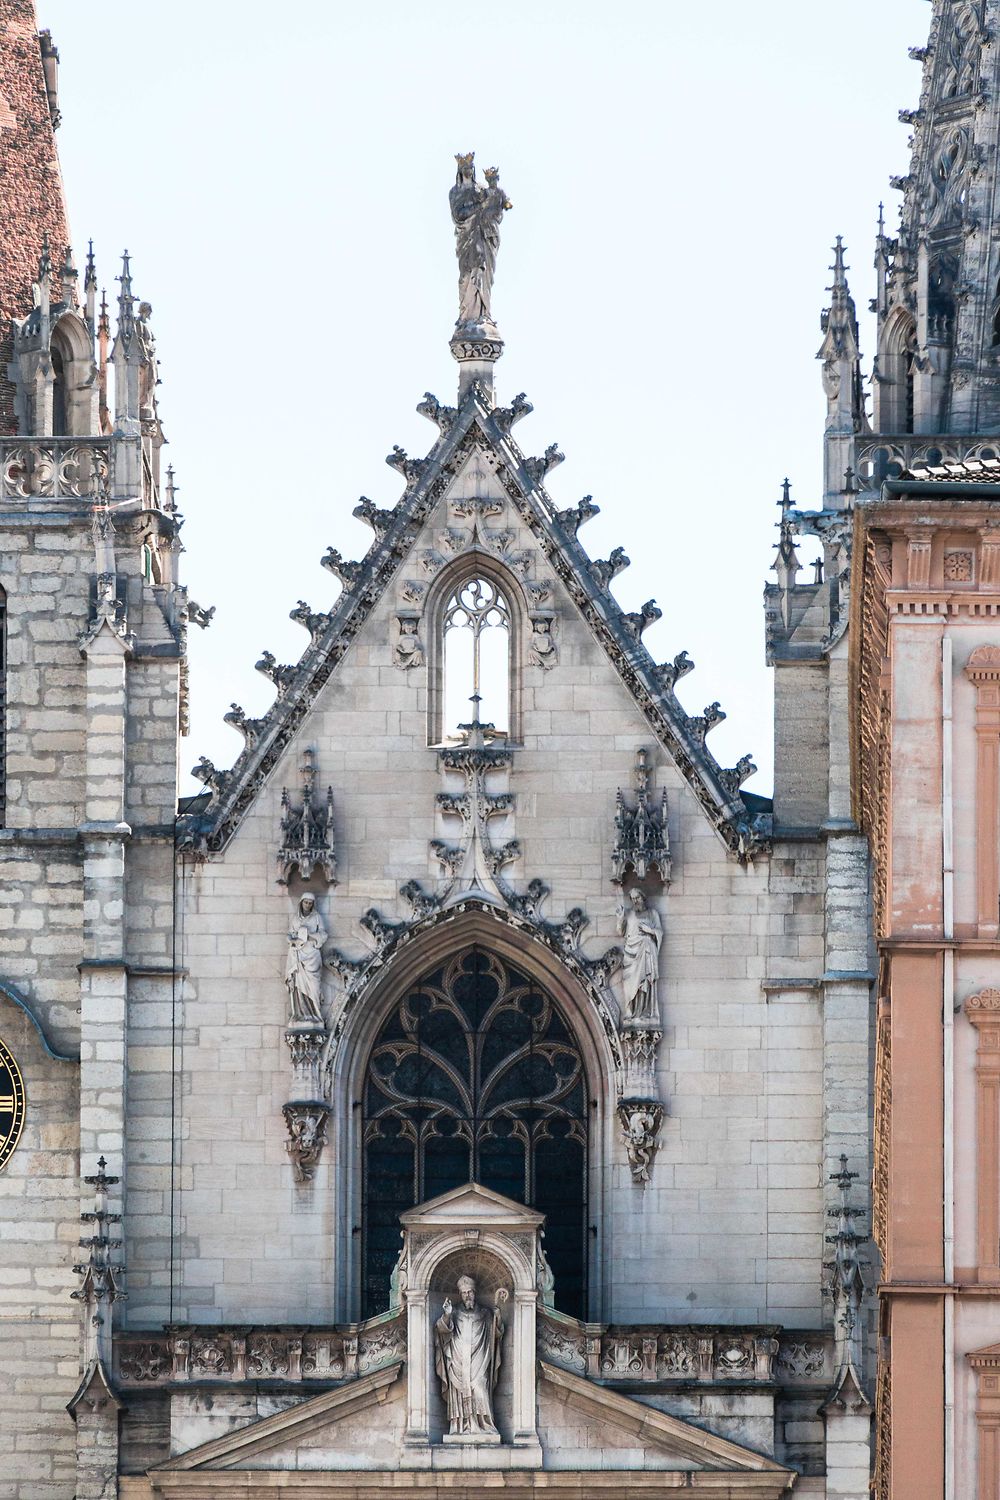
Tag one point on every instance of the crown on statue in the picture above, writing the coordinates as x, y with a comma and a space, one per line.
465, 163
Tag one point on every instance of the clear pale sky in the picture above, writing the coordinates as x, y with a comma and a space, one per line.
678, 173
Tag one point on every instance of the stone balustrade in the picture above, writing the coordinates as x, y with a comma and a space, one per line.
611, 1354
888, 455
55, 468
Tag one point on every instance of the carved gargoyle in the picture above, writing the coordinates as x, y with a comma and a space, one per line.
422, 903
378, 520
639, 620
281, 676
578, 515
537, 468
248, 728
431, 408
506, 416
410, 468
699, 725
733, 777
529, 903
302, 614
669, 672
604, 570
383, 931
347, 572
214, 779
198, 616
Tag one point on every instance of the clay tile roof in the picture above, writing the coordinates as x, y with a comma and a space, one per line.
962, 471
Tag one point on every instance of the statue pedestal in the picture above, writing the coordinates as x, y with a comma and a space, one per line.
472, 1439
476, 347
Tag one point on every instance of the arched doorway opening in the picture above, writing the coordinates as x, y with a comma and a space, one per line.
476, 1075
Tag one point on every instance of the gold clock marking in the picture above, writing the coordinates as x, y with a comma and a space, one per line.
12, 1103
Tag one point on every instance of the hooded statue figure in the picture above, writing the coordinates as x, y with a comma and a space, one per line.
304, 969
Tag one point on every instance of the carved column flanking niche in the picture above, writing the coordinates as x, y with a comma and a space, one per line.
983, 1010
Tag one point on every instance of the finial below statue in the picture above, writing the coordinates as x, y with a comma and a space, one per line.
476, 210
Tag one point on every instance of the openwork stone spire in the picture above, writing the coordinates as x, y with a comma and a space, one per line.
939, 281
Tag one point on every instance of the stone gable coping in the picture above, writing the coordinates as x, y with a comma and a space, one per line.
618, 632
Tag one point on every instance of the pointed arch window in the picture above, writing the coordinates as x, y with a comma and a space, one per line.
477, 636
476, 1076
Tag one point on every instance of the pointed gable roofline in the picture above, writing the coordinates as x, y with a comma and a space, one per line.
476, 421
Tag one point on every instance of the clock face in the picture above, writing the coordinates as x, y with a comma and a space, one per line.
11, 1104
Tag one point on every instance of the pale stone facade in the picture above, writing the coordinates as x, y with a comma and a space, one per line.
193, 1068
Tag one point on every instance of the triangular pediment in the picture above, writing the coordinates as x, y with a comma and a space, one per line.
342, 1435
988, 1356
284, 1433
471, 1206
475, 432
646, 1427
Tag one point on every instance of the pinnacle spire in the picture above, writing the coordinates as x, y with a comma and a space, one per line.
126, 302
939, 280
90, 273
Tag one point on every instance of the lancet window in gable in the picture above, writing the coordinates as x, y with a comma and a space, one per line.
474, 634
477, 641
476, 1076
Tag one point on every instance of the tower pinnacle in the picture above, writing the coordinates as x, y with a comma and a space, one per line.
938, 300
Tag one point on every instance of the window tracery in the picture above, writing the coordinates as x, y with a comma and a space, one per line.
477, 633
476, 1076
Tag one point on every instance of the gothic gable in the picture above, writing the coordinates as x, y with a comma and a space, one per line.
476, 435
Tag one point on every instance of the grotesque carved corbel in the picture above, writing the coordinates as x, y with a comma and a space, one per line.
668, 673
640, 1121
315, 623
733, 778
281, 676
538, 468
249, 728
640, 620
410, 468
506, 416
306, 1122
347, 572
378, 520
603, 571
577, 515
699, 725
443, 416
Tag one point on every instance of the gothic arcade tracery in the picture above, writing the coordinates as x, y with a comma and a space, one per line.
476, 1076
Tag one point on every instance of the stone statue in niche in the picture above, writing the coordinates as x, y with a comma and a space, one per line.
409, 651
642, 930
467, 1347
304, 969
476, 212
542, 645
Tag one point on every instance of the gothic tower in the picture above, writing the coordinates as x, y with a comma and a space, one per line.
91, 703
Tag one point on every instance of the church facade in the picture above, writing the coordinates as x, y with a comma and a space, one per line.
473, 1086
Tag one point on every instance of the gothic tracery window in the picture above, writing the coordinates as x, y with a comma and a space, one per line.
477, 644
476, 1076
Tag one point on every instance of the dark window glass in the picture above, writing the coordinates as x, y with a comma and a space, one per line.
476, 1076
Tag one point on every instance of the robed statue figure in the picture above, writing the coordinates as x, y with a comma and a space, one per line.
642, 930
467, 1342
476, 211
304, 967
